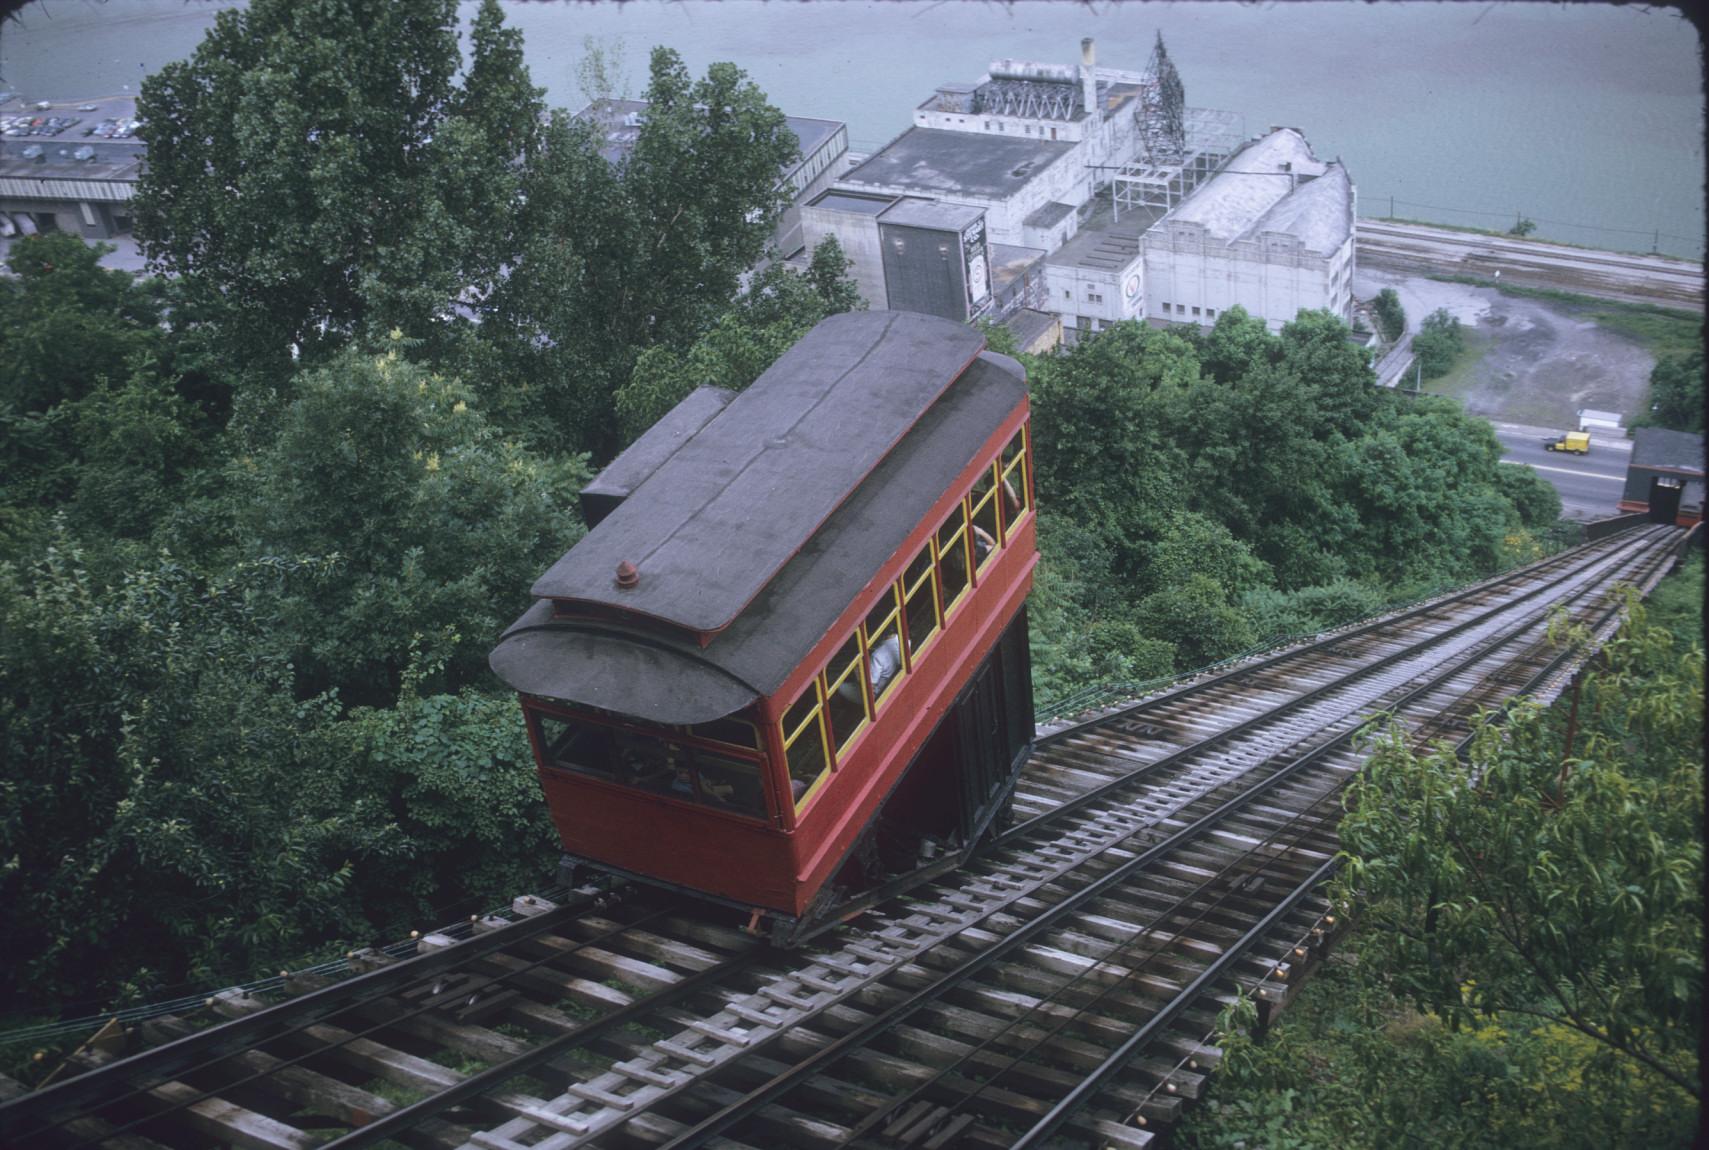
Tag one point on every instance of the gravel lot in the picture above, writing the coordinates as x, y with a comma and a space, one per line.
1531, 361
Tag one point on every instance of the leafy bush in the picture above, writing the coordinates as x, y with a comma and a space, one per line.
1676, 391
1390, 314
1438, 343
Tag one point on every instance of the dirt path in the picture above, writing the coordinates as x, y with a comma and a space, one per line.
1530, 361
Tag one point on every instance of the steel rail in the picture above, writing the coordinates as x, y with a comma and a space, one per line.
483, 1082
1122, 952
430, 1003
91, 1092
1250, 667
1118, 951
782, 1083
1104, 790
1125, 1053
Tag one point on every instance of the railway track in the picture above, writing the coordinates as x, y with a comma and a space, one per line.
1063, 988
1646, 279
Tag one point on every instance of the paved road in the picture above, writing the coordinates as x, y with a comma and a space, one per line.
1529, 263
1590, 484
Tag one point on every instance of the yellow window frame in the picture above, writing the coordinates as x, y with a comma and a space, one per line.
815, 715
929, 575
1022, 489
856, 664
959, 539
990, 497
892, 619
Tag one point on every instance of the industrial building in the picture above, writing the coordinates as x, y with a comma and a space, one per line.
1665, 476
823, 144
1271, 231
1033, 147
69, 166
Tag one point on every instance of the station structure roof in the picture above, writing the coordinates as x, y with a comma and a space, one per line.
940, 215
1659, 447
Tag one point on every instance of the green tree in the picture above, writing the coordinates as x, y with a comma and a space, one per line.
69, 322
1237, 344
159, 786
1390, 314
1546, 876
1676, 391
1438, 343
436, 524
779, 308
615, 261
315, 171
1533, 497
1104, 459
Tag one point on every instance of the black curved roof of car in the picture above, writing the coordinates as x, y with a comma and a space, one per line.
717, 519
684, 676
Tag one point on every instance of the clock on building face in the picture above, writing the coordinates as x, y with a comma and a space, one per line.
978, 277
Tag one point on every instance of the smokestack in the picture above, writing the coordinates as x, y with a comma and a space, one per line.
1088, 77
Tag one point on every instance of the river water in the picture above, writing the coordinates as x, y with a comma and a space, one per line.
1587, 119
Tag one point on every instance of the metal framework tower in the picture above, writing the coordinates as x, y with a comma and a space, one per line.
1178, 146
1163, 102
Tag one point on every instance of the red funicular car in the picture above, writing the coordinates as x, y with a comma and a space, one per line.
787, 667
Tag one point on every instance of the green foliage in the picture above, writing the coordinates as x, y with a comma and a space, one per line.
1243, 484
460, 776
615, 261
1438, 343
430, 521
316, 173
1533, 880
1348, 1068
1390, 314
1677, 602
1279, 613
1198, 618
778, 309
1532, 496
68, 322
158, 788
1676, 391
1522, 226
165, 786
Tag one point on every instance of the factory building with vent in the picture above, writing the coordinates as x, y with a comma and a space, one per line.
1033, 148
1271, 231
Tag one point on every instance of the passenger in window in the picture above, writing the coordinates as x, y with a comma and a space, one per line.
682, 785
643, 762
983, 545
886, 660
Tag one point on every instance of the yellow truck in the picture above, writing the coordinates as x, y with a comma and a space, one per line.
1577, 442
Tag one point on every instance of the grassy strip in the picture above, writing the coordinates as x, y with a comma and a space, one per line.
1660, 329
